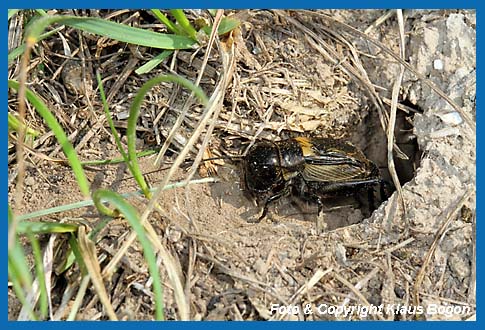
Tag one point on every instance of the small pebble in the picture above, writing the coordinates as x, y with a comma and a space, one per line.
122, 115
450, 118
447, 131
260, 266
29, 181
256, 51
438, 64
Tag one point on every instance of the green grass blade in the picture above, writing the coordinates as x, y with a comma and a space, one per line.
41, 12
150, 65
111, 30
25, 227
57, 209
15, 124
17, 256
184, 23
16, 52
12, 12
19, 272
227, 24
73, 255
76, 252
164, 19
130, 214
133, 118
39, 270
116, 160
59, 133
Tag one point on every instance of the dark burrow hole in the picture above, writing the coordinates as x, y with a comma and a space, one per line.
371, 139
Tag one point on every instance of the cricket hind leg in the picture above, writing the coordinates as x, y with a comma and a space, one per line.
376, 195
308, 192
363, 191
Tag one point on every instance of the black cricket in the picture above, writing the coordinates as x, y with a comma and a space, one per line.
308, 167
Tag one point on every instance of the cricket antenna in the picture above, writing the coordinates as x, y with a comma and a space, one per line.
188, 162
222, 157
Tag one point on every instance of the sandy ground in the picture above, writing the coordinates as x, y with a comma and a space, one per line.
233, 269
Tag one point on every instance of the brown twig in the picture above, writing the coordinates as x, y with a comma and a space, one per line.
19, 191
392, 120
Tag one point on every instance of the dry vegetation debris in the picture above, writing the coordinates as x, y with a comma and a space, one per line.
296, 72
